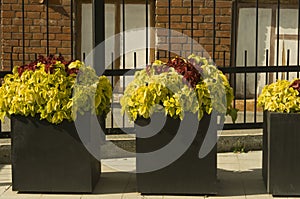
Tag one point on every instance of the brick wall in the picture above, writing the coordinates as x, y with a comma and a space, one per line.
35, 30
203, 27
60, 37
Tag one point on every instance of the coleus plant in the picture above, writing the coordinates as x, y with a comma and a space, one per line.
178, 86
281, 96
51, 88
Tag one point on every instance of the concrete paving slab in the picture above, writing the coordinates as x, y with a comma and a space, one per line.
102, 196
226, 197
58, 196
239, 177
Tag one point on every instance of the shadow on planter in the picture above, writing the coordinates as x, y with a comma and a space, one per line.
188, 174
50, 158
281, 149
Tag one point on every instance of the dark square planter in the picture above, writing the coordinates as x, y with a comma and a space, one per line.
281, 153
189, 174
50, 158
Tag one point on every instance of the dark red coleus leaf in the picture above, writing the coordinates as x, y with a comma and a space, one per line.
49, 62
191, 74
296, 85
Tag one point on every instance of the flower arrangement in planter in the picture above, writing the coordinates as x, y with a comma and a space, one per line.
281, 104
183, 90
44, 88
172, 85
43, 99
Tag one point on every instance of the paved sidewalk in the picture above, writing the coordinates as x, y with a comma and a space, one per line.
239, 178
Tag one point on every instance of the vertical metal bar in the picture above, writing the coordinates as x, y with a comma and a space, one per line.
72, 31
224, 58
112, 99
23, 30
267, 64
192, 26
83, 56
147, 28
288, 63
245, 88
123, 29
169, 33
11, 59
123, 34
233, 55
234, 89
214, 29
99, 35
256, 62
233, 34
35, 56
134, 60
157, 55
298, 42
277, 47
47, 27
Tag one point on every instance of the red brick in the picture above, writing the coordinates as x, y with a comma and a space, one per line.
63, 37
64, 50
223, 19
5, 7
178, 40
225, 41
198, 33
179, 11
222, 48
176, 3
35, 43
8, 14
223, 4
33, 15
225, 26
206, 11
33, 8
161, 11
38, 36
162, 3
35, 29
178, 25
225, 34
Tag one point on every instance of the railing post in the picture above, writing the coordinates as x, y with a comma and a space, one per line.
99, 36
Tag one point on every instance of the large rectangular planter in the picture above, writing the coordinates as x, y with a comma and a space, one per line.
281, 153
50, 158
189, 174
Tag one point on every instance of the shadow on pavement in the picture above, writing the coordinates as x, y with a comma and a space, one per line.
239, 183
116, 183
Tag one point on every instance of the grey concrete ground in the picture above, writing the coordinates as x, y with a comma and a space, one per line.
239, 177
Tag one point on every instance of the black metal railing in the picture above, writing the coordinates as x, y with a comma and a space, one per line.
232, 70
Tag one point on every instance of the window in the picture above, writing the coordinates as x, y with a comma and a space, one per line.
267, 40
135, 17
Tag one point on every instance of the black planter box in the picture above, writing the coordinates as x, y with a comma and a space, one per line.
281, 153
188, 175
50, 158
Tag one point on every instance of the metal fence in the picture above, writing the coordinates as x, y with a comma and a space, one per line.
248, 119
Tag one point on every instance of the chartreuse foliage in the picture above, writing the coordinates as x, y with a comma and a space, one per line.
91, 93
161, 87
280, 97
49, 95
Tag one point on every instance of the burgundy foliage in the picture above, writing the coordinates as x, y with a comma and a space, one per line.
190, 73
296, 85
49, 62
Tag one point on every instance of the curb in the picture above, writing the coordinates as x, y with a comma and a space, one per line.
226, 143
